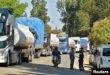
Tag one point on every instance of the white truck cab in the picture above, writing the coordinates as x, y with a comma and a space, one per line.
102, 58
77, 43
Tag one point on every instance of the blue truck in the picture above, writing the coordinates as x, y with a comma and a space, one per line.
36, 26
85, 43
63, 43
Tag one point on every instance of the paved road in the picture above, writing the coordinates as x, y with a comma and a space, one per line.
43, 66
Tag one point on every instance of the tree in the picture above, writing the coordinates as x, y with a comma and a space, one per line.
100, 32
79, 15
83, 19
68, 10
15, 4
39, 10
47, 28
56, 31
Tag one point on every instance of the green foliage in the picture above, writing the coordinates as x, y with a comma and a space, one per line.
100, 32
68, 9
47, 28
83, 18
15, 4
39, 10
97, 9
79, 15
56, 31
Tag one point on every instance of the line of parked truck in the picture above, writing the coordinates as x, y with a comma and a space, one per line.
23, 38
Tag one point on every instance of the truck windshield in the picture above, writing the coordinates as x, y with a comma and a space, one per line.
62, 40
76, 41
106, 51
2, 44
1, 27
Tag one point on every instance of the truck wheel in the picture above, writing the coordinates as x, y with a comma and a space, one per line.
19, 58
37, 55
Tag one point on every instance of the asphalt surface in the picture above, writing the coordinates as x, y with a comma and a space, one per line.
44, 66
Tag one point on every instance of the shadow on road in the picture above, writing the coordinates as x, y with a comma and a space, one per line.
50, 70
40, 69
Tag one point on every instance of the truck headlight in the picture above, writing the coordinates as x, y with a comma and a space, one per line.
3, 52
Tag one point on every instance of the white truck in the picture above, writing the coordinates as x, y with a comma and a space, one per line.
71, 42
24, 40
54, 41
13, 38
77, 43
50, 40
85, 43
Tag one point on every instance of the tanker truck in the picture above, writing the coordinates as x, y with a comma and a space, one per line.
36, 26
13, 38
24, 40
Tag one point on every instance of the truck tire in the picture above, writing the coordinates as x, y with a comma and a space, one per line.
38, 54
19, 58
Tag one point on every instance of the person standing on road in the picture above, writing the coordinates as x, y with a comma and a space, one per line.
81, 59
72, 57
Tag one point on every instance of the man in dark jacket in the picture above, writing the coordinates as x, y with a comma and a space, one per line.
81, 59
72, 57
56, 53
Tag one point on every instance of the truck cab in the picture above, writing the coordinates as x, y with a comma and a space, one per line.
77, 43
6, 35
63, 42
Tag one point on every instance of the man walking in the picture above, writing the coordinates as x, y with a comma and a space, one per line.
72, 57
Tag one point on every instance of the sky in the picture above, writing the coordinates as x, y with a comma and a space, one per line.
52, 13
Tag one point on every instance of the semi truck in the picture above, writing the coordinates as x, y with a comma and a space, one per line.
85, 43
25, 42
54, 41
46, 47
36, 26
77, 43
50, 40
71, 42
13, 38
63, 42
